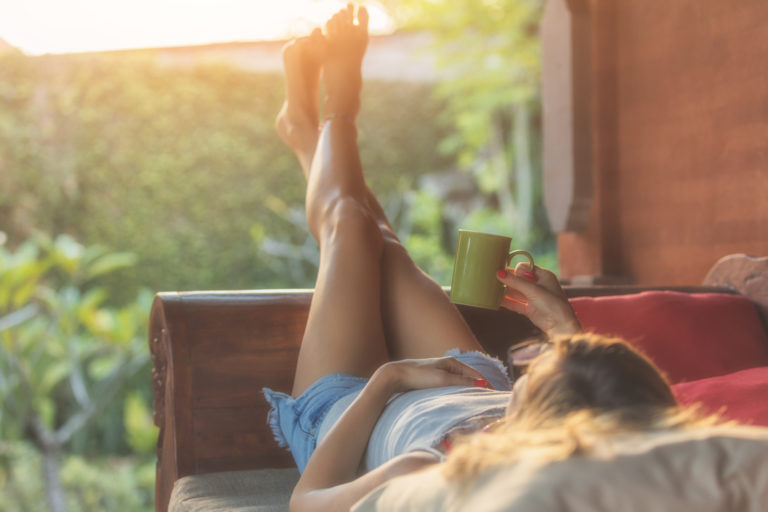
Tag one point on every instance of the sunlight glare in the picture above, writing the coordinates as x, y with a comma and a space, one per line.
60, 26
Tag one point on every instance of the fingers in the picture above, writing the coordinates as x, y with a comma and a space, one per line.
437, 372
523, 269
538, 275
447, 378
468, 376
529, 283
514, 305
453, 365
516, 296
453, 379
522, 285
434, 375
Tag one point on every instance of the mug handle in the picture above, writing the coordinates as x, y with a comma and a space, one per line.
520, 252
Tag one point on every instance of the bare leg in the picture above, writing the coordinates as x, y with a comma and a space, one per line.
297, 121
344, 331
418, 319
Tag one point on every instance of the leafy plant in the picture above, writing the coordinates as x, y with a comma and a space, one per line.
124, 484
64, 355
179, 165
490, 56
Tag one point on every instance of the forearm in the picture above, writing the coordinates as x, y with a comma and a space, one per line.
337, 458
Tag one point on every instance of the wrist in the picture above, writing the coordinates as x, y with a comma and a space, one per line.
566, 328
386, 379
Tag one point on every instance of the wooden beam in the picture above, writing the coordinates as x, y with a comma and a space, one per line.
567, 113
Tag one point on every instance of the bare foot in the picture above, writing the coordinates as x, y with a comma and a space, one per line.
298, 118
347, 40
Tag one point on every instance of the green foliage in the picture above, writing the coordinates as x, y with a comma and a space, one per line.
178, 166
489, 51
142, 432
21, 488
425, 238
108, 484
64, 354
60, 347
91, 485
490, 47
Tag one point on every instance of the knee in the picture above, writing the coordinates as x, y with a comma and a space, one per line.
350, 221
395, 254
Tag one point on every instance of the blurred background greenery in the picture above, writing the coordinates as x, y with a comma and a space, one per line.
120, 177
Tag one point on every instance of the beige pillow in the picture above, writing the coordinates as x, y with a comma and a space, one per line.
713, 469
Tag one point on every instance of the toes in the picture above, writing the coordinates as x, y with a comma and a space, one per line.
330, 26
317, 39
349, 14
335, 23
349, 21
362, 18
317, 45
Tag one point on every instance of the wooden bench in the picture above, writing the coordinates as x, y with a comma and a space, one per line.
212, 352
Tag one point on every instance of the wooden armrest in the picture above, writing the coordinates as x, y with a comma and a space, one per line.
212, 353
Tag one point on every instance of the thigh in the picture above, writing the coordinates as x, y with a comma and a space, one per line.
344, 332
419, 319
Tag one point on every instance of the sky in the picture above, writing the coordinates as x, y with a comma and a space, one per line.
61, 26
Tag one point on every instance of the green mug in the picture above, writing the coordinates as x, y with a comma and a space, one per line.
478, 257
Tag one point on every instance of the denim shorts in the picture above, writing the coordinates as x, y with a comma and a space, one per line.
295, 422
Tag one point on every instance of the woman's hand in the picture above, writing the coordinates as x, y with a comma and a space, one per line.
538, 296
437, 372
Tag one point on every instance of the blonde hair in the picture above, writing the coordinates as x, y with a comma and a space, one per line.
581, 392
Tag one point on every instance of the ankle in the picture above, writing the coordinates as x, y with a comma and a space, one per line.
342, 109
343, 101
340, 117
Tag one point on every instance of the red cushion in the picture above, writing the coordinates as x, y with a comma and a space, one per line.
739, 396
689, 336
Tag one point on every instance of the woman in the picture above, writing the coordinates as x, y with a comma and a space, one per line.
375, 395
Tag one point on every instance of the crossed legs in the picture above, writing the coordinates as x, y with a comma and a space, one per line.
371, 303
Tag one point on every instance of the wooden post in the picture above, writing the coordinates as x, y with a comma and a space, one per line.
567, 113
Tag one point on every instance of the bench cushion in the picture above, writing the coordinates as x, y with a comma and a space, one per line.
263, 490
689, 336
739, 396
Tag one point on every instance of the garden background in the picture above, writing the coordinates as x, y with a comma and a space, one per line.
121, 177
